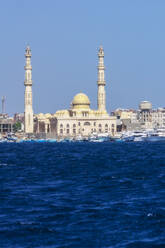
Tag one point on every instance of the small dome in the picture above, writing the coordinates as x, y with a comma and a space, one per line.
81, 101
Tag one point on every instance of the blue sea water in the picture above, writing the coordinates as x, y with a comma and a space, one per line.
73, 195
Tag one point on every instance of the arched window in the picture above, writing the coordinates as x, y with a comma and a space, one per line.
67, 125
113, 125
61, 125
74, 125
106, 127
99, 125
85, 113
74, 131
48, 128
87, 123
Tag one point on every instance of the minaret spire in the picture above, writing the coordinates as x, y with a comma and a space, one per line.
28, 115
101, 81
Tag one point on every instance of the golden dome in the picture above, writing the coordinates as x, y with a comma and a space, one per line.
81, 101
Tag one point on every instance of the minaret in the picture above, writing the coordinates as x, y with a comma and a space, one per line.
28, 115
101, 81
3, 104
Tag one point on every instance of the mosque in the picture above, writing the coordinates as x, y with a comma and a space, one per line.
79, 119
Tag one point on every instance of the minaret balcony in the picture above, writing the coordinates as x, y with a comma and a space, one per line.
102, 67
28, 67
101, 82
28, 83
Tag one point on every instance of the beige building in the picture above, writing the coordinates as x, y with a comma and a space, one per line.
145, 115
125, 114
127, 119
158, 118
151, 118
80, 119
6, 124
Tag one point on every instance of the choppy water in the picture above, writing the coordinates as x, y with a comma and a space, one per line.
73, 195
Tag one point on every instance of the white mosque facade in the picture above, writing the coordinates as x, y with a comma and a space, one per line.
80, 119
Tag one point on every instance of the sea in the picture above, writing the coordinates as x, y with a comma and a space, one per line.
73, 195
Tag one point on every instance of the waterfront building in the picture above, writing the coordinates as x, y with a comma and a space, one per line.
127, 119
6, 124
19, 118
145, 114
126, 114
158, 118
28, 114
80, 119
151, 118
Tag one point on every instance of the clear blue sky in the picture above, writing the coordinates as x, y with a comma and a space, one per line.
64, 36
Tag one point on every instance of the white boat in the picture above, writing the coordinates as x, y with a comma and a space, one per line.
101, 137
156, 135
161, 132
134, 136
